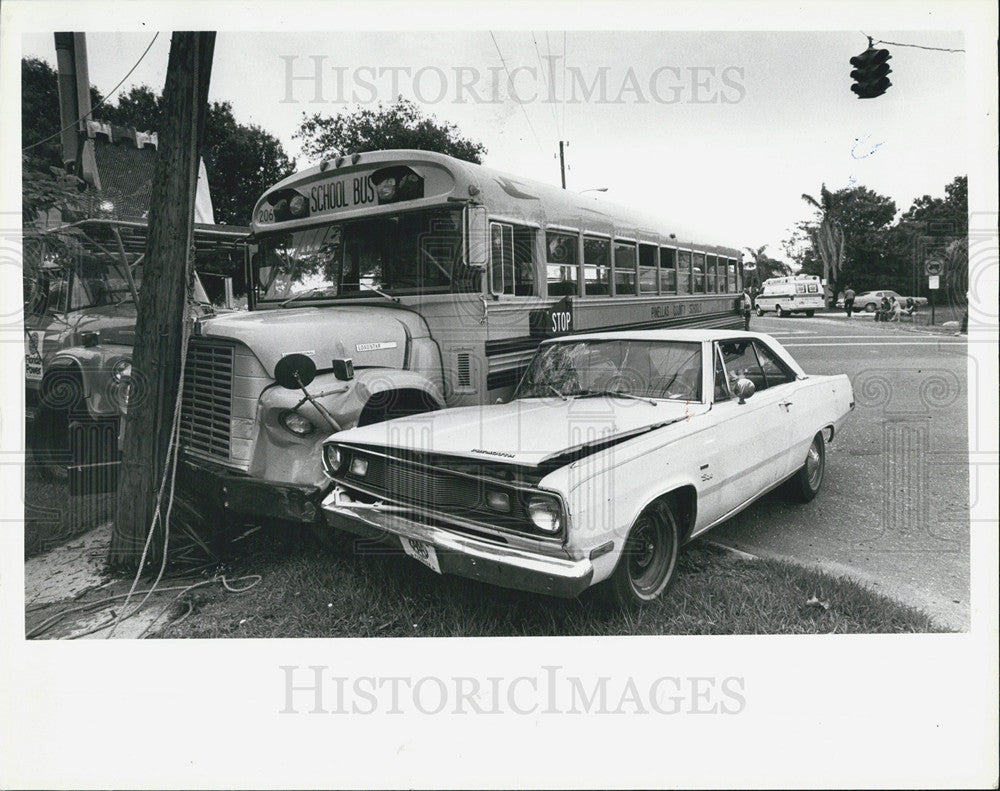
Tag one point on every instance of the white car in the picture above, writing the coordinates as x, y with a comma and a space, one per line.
615, 449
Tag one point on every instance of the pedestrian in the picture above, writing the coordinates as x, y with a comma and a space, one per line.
849, 301
747, 305
882, 314
895, 309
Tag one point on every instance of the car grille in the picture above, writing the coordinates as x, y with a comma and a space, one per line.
208, 397
409, 481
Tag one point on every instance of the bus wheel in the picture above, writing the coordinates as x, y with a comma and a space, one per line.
649, 558
810, 313
780, 311
49, 438
760, 311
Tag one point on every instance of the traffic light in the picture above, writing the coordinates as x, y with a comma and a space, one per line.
870, 70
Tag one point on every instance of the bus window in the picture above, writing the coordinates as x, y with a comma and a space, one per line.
596, 266
731, 282
501, 258
711, 280
647, 269
524, 261
683, 271
561, 263
624, 268
699, 273
668, 270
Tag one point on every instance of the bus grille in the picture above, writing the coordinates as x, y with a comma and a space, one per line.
206, 407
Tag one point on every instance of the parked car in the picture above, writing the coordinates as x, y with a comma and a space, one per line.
870, 300
615, 449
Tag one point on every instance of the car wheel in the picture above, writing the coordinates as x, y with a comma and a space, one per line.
810, 313
869, 307
760, 311
807, 481
649, 558
780, 311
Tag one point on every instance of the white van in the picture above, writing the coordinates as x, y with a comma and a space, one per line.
793, 294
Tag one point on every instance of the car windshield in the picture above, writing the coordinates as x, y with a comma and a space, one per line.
648, 369
414, 252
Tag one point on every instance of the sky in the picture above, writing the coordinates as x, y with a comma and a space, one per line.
718, 132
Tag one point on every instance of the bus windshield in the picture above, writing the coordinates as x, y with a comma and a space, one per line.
414, 252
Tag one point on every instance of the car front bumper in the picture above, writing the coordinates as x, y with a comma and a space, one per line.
459, 554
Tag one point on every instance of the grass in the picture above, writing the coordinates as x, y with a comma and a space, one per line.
307, 592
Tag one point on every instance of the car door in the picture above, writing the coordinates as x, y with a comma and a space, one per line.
748, 444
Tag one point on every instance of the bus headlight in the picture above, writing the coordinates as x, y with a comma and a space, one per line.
295, 423
333, 457
545, 513
122, 370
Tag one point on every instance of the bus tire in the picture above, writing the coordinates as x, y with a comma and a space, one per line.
49, 438
391, 404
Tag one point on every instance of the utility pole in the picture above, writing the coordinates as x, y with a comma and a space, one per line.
562, 162
166, 278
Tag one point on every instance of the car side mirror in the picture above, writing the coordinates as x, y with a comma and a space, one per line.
743, 389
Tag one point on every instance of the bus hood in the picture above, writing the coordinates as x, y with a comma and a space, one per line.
369, 335
527, 432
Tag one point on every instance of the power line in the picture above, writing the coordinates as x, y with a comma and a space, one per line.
555, 117
89, 112
510, 82
915, 46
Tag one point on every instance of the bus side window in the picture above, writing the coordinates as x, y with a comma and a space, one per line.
647, 269
501, 258
524, 261
625, 269
561, 263
711, 281
699, 273
683, 271
668, 270
596, 266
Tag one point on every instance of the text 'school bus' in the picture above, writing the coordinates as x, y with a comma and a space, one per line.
792, 294
395, 282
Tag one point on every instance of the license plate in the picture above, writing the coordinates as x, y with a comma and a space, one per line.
422, 551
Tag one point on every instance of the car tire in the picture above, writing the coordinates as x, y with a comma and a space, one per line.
782, 313
810, 314
806, 483
760, 311
649, 558
869, 307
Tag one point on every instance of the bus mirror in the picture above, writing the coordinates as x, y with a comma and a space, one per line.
294, 371
478, 236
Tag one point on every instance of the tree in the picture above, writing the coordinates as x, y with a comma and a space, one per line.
929, 230
850, 237
399, 125
140, 108
762, 267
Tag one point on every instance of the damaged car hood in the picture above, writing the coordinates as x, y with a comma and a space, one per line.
529, 432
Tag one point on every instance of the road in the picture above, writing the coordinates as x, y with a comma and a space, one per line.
894, 509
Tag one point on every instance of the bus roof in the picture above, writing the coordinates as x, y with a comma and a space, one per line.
508, 197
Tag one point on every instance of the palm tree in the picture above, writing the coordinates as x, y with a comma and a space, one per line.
828, 237
762, 267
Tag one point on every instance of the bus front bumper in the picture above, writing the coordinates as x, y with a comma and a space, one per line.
449, 552
247, 496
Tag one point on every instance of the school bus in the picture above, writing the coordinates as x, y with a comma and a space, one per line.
393, 282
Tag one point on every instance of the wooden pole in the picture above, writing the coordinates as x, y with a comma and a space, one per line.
159, 324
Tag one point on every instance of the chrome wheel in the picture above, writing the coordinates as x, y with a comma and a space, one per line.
806, 483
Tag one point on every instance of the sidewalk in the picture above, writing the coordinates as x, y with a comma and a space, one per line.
945, 324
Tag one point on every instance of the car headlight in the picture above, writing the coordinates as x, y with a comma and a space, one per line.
545, 513
333, 457
294, 422
122, 370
